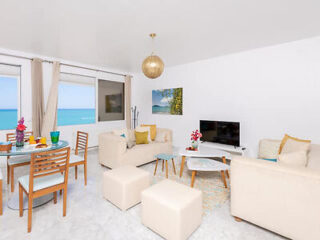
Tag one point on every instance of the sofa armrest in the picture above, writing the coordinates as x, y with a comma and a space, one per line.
111, 149
280, 198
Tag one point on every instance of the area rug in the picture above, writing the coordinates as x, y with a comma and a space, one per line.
210, 183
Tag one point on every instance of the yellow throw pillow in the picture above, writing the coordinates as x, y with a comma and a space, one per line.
141, 137
153, 130
285, 139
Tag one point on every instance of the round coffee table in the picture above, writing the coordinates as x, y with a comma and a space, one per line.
203, 152
206, 165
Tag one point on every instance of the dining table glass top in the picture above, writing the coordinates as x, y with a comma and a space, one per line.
31, 148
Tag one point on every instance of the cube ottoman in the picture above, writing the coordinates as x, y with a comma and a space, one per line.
171, 209
122, 186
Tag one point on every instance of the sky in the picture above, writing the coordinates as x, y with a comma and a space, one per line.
157, 98
76, 96
8, 93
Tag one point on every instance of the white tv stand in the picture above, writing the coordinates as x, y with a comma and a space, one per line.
231, 149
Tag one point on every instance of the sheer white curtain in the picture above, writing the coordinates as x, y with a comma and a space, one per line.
127, 93
37, 96
50, 117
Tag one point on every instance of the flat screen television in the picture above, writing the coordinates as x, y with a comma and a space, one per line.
220, 132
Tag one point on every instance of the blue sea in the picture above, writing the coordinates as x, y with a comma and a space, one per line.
9, 117
160, 109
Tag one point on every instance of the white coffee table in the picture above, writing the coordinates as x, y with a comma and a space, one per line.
207, 165
203, 152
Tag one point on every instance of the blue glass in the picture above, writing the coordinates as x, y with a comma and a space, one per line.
28, 149
55, 137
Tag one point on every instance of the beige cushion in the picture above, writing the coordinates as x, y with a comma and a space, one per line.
294, 146
269, 148
171, 209
122, 186
298, 159
314, 157
144, 129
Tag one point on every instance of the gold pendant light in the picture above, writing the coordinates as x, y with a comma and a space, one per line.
152, 66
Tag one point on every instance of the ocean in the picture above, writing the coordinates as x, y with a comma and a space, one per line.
160, 109
8, 117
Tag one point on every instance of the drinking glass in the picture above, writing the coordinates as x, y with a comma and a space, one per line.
55, 137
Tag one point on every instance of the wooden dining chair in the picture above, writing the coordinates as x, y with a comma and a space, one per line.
16, 161
0, 193
3, 148
48, 174
76, 159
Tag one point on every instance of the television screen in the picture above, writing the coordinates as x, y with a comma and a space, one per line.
220, 132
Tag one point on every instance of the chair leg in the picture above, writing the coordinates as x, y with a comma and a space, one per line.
64, 201
166, 169
162, 165
60, 192
85, 173
12, 178
155, 169
8, 173
193, 178
174, 167
76, 172
30, 213
224, 179
20, 201
0, 197
55, 197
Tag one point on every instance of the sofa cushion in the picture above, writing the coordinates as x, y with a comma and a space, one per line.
153, 130
286, 138
292, 145
314, 157
121, 132
297, 159
269, 148
141, 137
144, 129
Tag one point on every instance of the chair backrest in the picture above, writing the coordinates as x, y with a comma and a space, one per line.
82, 143
12, 136
49, 163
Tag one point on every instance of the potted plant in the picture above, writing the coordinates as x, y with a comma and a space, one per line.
195, 136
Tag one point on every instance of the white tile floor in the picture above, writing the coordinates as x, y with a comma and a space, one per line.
89, 216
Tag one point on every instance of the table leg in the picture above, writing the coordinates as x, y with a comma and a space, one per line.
225, 162
182, 165
155, 170
174, 167
224, 179
193, 178
162, 165
166, 169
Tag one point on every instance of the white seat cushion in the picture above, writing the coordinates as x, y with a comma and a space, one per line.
0, 175
18, 159
75, 158
41, 182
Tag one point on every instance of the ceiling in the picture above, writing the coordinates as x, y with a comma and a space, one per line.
114, 33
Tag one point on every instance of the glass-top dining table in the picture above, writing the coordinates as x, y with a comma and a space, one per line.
27, 149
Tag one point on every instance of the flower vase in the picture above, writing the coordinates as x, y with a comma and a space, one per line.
195, 144
19, 138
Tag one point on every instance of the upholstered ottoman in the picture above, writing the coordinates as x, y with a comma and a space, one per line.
171, 209
122, 186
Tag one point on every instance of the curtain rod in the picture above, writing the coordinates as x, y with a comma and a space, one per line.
65, 64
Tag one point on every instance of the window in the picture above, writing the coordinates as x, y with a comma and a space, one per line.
110, 100
9, 96
76, 100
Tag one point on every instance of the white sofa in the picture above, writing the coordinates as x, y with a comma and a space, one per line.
283, 199
113, 151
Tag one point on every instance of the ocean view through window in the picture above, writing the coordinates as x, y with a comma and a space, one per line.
8, 102
76, 104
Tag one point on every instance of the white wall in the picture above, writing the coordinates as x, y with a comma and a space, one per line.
67, 132
271, 91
